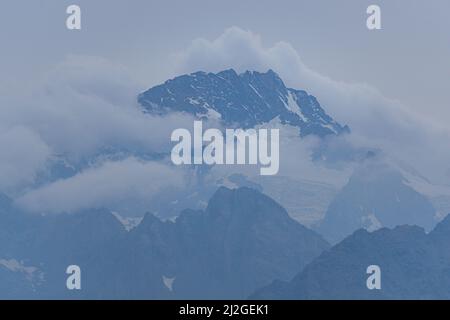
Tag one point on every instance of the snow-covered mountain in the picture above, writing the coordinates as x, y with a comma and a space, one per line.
244, 100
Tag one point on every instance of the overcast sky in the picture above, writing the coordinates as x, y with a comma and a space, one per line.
408, 60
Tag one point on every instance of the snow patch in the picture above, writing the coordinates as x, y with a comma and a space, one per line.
213, 114
31, 273
128, 223
371, 223
293, 106
168, 282
254, 89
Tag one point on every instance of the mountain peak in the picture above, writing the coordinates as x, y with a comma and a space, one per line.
149, 221
228, 73
245, 100
268, 74
244, 203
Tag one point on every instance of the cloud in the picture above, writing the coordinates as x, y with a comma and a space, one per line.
244, 50
294, 161
86, 104
113, 184
81, 106
375, 120
90, 103
22, 154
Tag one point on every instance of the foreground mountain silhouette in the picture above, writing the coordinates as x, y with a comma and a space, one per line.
242, 241
414, 265
243, 100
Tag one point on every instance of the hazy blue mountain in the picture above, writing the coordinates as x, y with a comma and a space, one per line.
17, 230
242, 241
16, 280
5, 203
41, 248
376, 196
244, 100
414, 265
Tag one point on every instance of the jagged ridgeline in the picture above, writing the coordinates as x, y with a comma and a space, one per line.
414, 265
241, 100
242, 241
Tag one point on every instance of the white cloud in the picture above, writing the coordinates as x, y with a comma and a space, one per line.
112, 185
88, 103
82, 105
22, 154
85, 104
375, 120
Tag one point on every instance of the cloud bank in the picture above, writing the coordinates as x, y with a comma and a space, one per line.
375, 120
86, 105
82, 106
114, 184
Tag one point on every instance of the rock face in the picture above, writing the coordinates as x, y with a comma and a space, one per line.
375, 196
244, 100
414, 265
242, 241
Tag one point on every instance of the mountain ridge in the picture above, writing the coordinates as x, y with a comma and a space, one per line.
414, 265
227, 250
246, 100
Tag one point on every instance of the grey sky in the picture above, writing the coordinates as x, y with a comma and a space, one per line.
407, 60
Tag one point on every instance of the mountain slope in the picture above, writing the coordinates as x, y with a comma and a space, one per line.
242, 241
413, 265
376, 196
